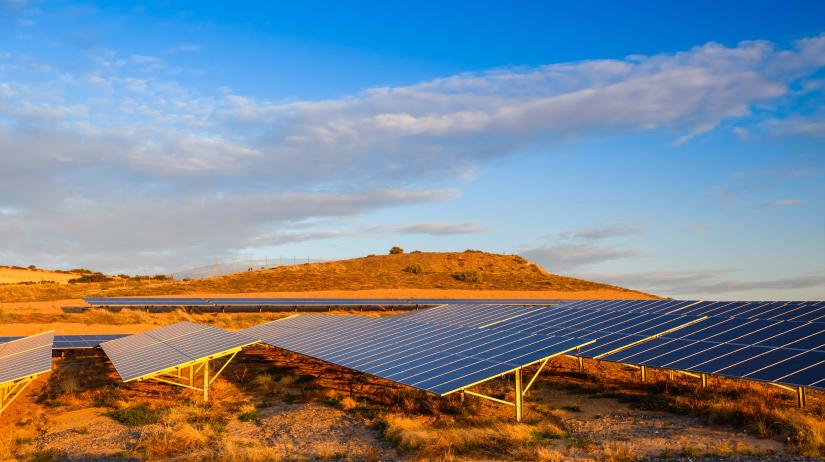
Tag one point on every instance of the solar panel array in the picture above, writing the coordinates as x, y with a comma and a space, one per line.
780, 342
445, 348
437, 358
25, 357
610, 328
140, 355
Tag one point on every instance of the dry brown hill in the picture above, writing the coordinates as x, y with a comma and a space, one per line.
32, 275
457, 271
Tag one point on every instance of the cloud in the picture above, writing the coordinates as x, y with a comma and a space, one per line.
431, 228
813, 126
696, 283
597, 234
566, 257
159, 170
785, 203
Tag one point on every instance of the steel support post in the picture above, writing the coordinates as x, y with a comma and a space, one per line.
206, 380
643, 371
704, 378
800, 396
519, 397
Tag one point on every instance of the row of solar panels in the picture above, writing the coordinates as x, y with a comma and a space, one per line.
74, 342
181, 301
454, 346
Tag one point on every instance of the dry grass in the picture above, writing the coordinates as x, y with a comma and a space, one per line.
431, 439
9, 275
491, 271
757, 408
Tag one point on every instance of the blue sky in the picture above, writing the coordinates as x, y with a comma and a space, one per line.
678, 149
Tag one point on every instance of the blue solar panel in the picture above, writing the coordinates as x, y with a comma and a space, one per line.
436, 358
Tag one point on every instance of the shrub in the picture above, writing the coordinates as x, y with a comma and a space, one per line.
413, 269
467, 276
135, 416
396, 250
94, 277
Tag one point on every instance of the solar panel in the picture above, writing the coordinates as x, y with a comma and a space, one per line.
25, 357
77, 342
771, 350
611, 328
142, 355
147, 301
437, 358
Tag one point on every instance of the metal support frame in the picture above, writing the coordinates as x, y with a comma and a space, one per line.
9, 391
519, 396
186, 375
643, 373
704, 378
801, 399
520, 390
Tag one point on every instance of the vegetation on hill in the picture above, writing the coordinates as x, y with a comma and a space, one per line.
473, 270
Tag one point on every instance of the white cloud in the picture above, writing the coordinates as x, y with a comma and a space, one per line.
597, 234
695, 284
567, 257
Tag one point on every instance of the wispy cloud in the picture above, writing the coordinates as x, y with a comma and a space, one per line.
430, 228
566, 257
784, 203
597, 234
693, 284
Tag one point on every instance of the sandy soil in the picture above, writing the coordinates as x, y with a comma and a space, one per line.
648, 433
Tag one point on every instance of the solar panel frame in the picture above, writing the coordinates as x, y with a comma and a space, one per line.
140, 356
413, 353
26, 357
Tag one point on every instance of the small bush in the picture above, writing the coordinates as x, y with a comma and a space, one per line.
467, 276
413, 269
94, 277
396, 250
250, 416
135, 416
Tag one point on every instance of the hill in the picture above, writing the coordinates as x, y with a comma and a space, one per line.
31, 275
451, 271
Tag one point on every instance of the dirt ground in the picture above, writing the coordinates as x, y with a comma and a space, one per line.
648, 433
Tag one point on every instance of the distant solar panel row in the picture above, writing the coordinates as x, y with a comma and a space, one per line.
437, 358
71, 342
172, 301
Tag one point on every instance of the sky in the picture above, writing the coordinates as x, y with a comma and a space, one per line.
673, 148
